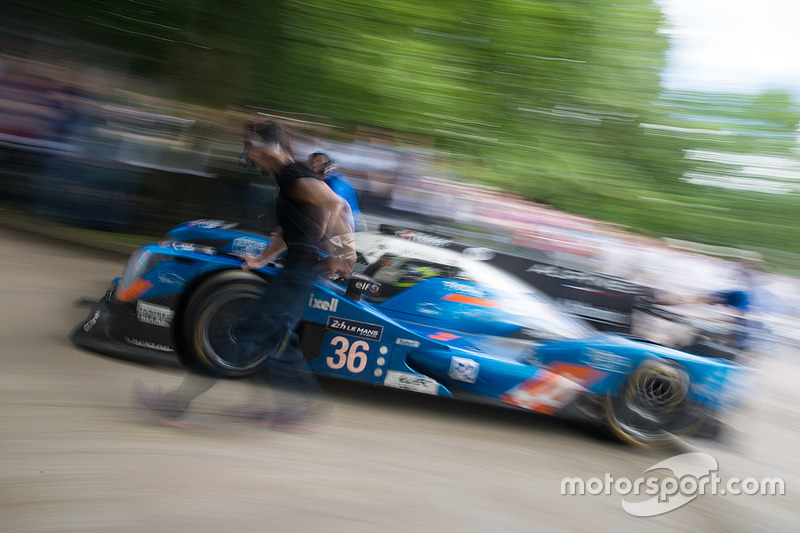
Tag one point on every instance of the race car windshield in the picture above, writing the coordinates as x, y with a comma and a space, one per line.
470, 295
535, 313
540, 319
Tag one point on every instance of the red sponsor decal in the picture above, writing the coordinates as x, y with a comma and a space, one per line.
443, 336
470, 300
562, 384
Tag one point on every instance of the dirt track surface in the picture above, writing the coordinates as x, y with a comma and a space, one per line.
75, 455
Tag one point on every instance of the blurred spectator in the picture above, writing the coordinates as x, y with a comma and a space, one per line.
74, 114
735, 303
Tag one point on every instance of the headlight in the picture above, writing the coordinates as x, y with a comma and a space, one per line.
132, 285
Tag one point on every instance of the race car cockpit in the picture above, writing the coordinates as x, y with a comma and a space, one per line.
397, 273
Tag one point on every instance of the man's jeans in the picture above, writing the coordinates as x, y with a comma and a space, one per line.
266, 326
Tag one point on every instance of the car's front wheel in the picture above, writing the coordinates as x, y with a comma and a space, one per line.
652, 408
212, 317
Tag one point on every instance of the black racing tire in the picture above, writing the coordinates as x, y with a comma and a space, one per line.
652, 410
210, 328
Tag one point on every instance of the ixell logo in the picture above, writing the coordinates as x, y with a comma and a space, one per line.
693, 474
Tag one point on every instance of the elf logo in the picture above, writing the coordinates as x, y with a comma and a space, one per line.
366, 286
323, 305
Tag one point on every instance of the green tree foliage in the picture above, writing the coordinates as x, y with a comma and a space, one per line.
521, 88
557, 100
525, 91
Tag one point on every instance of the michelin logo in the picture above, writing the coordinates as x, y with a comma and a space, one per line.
407, 342
157, 315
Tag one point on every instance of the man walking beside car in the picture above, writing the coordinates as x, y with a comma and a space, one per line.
316, 232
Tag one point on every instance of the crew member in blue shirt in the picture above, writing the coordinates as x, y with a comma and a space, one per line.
325, 167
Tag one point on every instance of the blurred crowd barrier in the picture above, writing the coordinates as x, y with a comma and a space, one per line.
107, 157
113, 159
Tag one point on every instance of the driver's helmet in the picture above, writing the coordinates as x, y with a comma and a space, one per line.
414, 274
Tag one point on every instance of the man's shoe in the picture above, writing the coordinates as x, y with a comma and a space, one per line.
156, 405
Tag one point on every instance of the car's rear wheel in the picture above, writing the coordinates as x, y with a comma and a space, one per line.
211, 323
652, 409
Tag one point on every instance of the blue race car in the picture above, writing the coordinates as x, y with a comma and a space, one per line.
413, 317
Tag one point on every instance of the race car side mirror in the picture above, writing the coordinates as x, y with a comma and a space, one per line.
359, 285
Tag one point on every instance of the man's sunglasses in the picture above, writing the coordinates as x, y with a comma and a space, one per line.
244, 161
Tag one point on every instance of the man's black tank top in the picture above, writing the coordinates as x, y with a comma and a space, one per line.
301, 221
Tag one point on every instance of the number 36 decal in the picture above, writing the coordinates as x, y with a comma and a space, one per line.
354, 356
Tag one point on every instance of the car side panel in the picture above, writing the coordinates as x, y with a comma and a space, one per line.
358, 342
